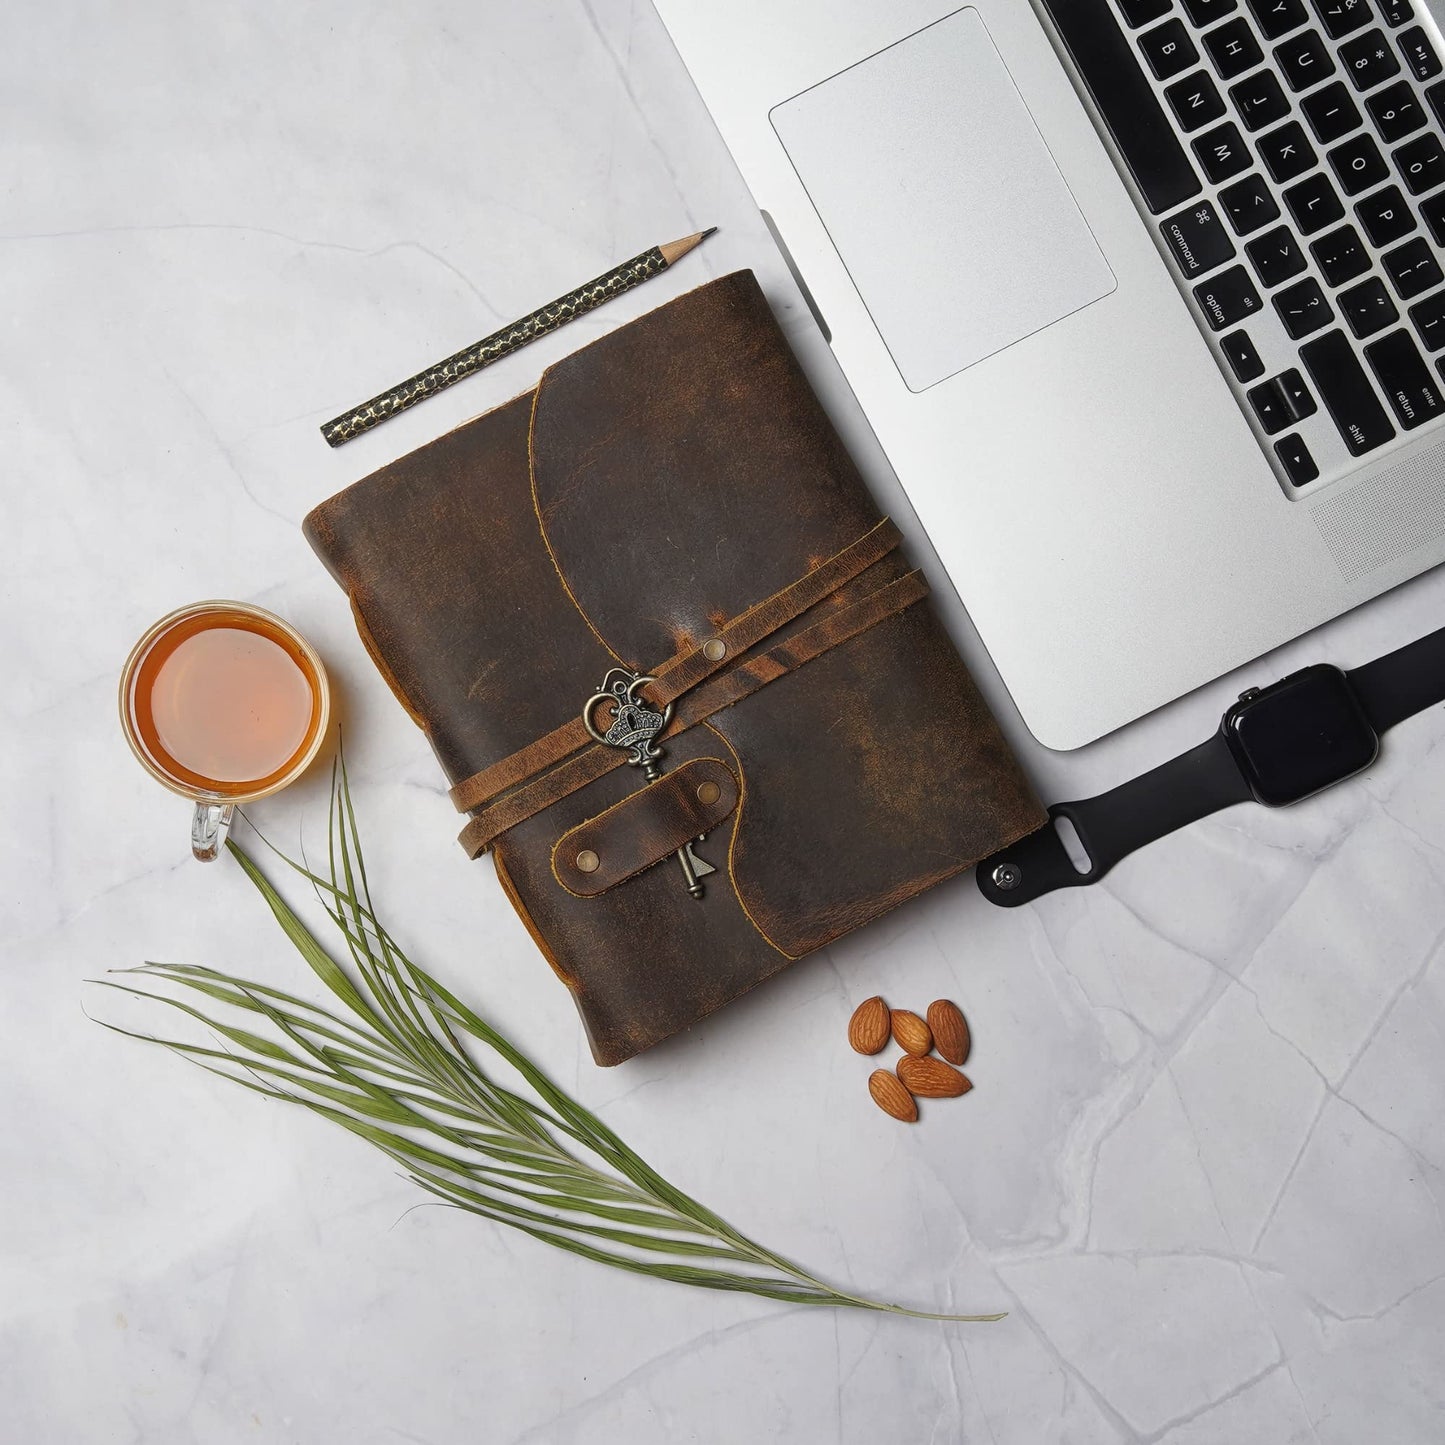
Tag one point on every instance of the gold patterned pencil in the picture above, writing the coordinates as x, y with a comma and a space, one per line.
586, 297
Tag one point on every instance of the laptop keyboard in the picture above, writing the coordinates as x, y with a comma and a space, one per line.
1290, 153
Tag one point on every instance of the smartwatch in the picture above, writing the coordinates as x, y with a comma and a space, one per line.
1277, 745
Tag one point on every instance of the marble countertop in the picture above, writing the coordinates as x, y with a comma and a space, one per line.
1202, 1164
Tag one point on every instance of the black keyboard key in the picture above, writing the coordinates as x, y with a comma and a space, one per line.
1294, 455
1282, 401
1126, 101
1141, 12
1412, 268
1286, 152
1260, 100
1436, 96
1167, 48
1303, 308
1342, 17
1206, 12
1358, 164
1276, 257
1386, 216
1396, 112
1368, 307
1368, 60
1249, 204
1278, 17
1341, 256
1233, 48
1195, 100
1228, 299
1243, 359
1269, 407
1331, 112
1433, 211
1429, 321
1346, 392
1222, 152
1405, 379
1422, 163
1313, 203
1419, 53
1305, 60
1297, 399
1395, 12
1197, 240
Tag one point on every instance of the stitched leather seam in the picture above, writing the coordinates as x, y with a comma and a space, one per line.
542, 526
737, 816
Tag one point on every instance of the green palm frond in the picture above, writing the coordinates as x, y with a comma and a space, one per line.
399, 1061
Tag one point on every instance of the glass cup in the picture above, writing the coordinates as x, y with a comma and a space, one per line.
223, 703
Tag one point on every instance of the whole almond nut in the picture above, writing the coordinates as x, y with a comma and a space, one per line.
950, 1030
931, 1078
912, 1035
869, 1027
891, 1096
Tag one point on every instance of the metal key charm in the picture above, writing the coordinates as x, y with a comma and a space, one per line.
637, 726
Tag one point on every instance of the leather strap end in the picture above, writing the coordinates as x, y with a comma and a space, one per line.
645, 828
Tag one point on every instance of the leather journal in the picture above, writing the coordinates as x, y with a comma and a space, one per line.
675, 666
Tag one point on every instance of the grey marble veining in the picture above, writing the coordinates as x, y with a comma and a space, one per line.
1202, 1164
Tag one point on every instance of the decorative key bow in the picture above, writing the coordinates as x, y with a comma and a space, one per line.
636, 726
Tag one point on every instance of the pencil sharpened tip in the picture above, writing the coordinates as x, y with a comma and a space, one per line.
675, 250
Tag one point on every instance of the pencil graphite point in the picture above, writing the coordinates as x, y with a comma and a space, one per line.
673, 251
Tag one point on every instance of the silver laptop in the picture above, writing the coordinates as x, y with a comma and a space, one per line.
1144, 299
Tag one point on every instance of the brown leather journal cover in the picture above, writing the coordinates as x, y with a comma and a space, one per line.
654, 486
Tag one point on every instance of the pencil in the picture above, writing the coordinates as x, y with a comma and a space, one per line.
473, 358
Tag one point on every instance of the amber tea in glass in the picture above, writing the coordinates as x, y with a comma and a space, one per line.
223, 703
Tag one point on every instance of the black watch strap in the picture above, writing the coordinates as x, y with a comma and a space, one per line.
1197, 783
1403, 682
1113, 824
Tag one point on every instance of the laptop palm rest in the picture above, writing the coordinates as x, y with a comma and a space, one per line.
942, 199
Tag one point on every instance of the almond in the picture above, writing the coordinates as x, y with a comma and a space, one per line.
868, 1028
931, 1078
891, 1096
912, 1034
950, 1030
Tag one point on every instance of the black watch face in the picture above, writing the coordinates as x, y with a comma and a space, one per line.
1300, 736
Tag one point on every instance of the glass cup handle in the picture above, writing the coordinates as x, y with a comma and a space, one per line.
208, 829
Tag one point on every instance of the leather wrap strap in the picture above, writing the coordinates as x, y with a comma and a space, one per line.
720, 692
685, 670
645, 827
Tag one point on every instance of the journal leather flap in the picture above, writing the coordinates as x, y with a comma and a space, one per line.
654, 486
683, 469
645, 828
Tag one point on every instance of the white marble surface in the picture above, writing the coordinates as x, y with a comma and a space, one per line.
1202, 1167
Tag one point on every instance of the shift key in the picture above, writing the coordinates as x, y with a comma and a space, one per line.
1346, 392
1405, 379
1229, 298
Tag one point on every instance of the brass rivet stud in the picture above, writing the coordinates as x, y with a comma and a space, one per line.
708, 793
588, 861
715, 649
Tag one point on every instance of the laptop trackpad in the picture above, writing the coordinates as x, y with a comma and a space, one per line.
942, 199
